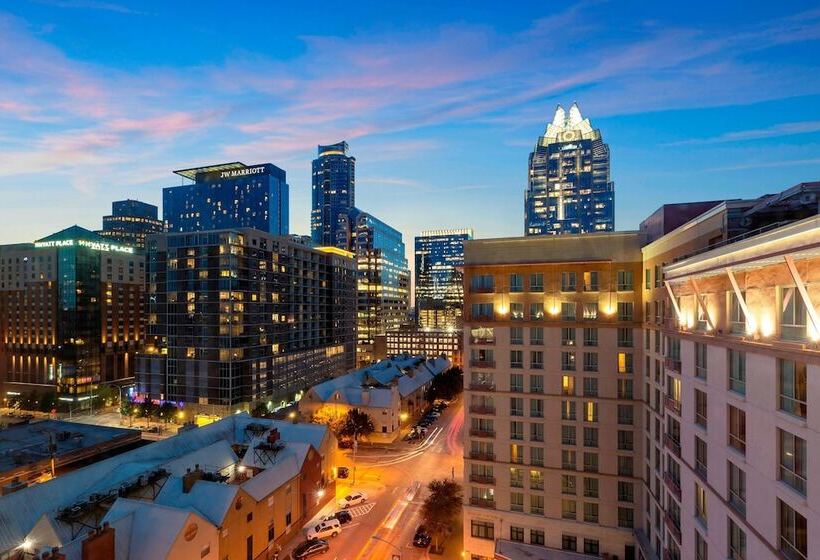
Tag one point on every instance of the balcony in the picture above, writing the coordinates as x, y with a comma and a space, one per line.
672, 364
482, 455
672, 444
483, 502
481, 341
672, 404
482, 386
482, 433
482, 364
482, 409
673, 486
481, 479
673, 526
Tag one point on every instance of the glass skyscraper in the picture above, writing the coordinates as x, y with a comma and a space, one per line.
569, 190
229, 195
130, 222
438, 283
333, 196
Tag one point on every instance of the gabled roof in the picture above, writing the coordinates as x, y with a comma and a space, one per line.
74, 232
286, 465
211, 500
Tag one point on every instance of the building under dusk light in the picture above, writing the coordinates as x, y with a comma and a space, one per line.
439, 289
130, 222
333, 195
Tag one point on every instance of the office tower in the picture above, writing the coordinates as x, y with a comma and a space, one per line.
383, 281
227, 196
568, 189
438, 288
333, 195
413, 341
240, 316
71, 313
130, 222
553, 388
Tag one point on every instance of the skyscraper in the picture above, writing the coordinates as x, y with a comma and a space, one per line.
334, 194
438, 282
568, 188
229, 195
130, 222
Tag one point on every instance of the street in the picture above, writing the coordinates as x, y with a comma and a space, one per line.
395, 480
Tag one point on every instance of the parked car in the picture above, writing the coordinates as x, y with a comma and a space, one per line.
327, 528
310, 548
342, 472
342, 516
422, 538
345, 444
352, 499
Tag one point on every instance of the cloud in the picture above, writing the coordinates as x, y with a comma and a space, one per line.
765, 165
89, 4
778, 130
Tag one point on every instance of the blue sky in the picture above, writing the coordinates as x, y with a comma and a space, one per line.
440, 102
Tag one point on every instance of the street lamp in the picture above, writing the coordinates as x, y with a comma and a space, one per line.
395, 556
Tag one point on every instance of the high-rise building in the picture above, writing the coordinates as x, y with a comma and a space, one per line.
438, 282
333, 195
383, 281
130, 222
552, 374
568, 188
241, 316
226, 196
71, 313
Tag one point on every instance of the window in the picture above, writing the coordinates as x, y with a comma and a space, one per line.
590, 361
700, 408
536, 381
625, 466
647, 278
626, 491
536, 311
590, 336
482, 283
568, 361
537, 335
567, 385
567, 435
701, 463
568, 484
737, 319
516, 335
537, 408
567, 336
516, 283
537, 282
625, 440
569, 509
625, 389
516, 501
625, 339
590, 512
590, 462
624, 310
569, 542
700, 360
793, 461
792, 315
516, 478
516, 430
517, 534
590, 487
626, 414
625, 281
793, 533
517, 382
737, 488
567, 311
592, 546
517, 311
737, 372
792, 387
737, 542
568, 459
516, 406
537, 456
590, 311
591, 281
537, 432
568, 282
626, 517
516, 359
590, 411
625, 362
537, 504
567, 410
537, 360
590, 387
701, 548
590, 437
700, 503
737, 429
516, 453
482, 530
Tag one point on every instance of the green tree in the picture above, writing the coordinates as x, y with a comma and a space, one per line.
167, 411
357, 424
447, 385
48, 402
441, 507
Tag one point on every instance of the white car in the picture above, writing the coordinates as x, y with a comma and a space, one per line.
353, 499
325, 529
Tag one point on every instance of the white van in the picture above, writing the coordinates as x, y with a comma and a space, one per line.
325, 529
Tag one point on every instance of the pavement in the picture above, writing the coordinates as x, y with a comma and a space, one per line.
395, 479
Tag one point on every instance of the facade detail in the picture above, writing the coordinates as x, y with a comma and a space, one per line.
568, 185
228, 195
410, 339
439, 287
333, 195
240, 316
130, 222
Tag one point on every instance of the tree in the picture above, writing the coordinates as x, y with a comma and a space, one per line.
447, 385
441, 507
356, 424
168, 411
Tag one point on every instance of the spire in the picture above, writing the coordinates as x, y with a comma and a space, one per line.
560, 116
575, 117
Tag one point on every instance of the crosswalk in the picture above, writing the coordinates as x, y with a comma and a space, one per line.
358, 511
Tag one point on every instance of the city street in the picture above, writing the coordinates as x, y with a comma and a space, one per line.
394, 478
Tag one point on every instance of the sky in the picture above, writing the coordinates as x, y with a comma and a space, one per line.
441, 102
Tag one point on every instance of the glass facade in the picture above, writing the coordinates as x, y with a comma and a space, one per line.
333, 196
569, 190
438, 282
228, 196
130, 222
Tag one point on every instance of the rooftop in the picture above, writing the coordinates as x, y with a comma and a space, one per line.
509, 550
194, 171
621, 246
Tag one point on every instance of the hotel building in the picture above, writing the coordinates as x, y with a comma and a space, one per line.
240, 316
71, 314
130, 222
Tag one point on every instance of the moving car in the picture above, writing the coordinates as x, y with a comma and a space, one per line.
327, 528
310, 548
422, 538
343, 472
353, 499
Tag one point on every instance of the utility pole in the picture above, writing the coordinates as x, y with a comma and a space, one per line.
355, 447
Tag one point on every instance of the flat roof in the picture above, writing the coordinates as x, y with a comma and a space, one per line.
194, 171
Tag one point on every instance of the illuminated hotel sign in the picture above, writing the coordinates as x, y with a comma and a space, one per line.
93, 245
242, 172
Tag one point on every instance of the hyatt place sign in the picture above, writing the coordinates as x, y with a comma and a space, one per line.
93, 245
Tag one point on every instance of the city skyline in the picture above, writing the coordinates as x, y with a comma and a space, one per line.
86, 125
